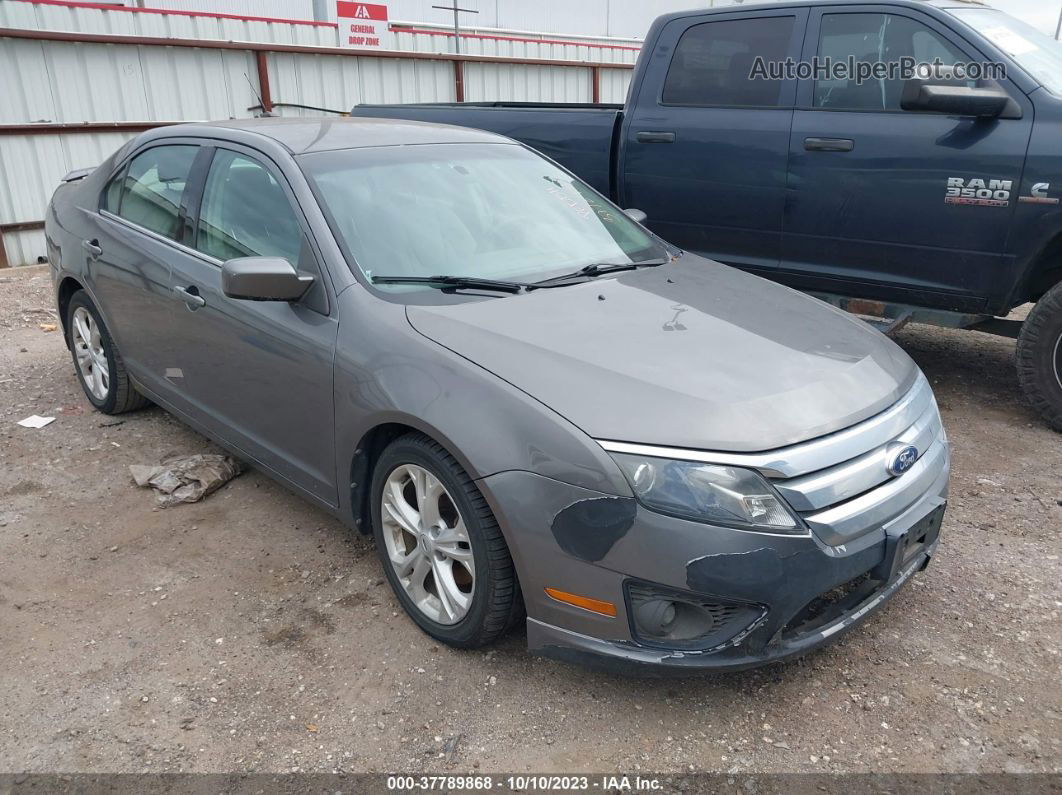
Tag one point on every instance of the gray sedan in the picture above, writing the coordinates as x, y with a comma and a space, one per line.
541, 410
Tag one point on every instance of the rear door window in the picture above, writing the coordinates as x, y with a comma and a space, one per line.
150, 190
713, 63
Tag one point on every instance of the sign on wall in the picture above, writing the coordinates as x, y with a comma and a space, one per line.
361, 24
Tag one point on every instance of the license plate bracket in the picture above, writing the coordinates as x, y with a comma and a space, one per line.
901, 546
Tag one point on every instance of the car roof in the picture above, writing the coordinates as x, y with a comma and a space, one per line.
320, 134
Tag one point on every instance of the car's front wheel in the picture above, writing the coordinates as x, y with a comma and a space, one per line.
440, 545
98, 363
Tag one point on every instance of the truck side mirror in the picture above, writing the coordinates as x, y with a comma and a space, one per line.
263, 279
638, 216
989, 102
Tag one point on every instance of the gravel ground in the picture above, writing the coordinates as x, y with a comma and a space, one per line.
251, 632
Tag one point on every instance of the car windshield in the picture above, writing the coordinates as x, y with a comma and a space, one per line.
487, 211
1035, 52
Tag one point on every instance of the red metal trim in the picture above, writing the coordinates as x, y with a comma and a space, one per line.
21, 226
262, 62
176, 12
595, 84
243, 46
83, 127
399, 28
459, 81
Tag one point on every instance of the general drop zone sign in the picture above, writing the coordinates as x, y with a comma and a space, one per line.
361, 24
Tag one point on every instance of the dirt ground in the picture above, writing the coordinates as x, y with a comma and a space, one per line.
251, 632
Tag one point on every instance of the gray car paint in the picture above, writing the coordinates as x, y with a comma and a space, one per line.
690, 354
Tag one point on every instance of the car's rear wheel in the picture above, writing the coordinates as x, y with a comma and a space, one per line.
1040, 356
440, 545
98, 363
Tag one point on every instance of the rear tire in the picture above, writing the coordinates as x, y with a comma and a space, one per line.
1039, 357
97, 362
452, 539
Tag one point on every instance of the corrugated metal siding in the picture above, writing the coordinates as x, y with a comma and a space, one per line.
65, 82
338, 83
32, 166
34, 16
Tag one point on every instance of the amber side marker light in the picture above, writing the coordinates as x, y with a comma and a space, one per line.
585, 602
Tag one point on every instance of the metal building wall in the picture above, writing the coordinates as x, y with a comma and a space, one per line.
73, 83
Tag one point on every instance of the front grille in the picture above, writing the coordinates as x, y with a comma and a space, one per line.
829, 606
840, 499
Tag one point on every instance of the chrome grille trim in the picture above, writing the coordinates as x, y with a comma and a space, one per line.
838, 483
800, 459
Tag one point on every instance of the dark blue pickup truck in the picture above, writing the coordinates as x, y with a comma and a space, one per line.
928, 194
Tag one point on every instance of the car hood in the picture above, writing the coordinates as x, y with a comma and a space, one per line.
692, 354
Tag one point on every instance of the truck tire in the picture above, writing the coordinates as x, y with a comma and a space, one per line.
1040, 357
97, 362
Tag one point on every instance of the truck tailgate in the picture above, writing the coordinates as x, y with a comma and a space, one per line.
579, 137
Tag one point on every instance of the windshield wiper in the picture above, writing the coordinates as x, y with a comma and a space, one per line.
453, 282
596, 269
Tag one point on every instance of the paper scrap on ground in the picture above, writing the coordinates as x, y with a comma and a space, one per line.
36, 421
187, 478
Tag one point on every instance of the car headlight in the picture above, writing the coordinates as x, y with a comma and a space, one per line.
708, 493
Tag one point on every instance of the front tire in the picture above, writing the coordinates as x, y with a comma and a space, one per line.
440, 545
1039, 357
98, 363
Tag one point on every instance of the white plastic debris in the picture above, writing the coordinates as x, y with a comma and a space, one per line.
36, 421
187, 478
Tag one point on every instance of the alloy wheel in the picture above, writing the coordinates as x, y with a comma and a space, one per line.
428, 544
91, 358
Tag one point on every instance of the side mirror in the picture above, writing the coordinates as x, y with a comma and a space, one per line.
638, 216
986, 103
263, 279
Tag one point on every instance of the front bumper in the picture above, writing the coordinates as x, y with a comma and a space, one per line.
595, 545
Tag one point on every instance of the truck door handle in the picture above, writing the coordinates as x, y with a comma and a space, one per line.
829, 144
657, 137
190, 295
92, 247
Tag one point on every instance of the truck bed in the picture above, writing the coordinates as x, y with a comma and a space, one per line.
581, 137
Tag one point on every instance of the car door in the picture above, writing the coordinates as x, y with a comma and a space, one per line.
142, 214
868, 206
257, 374
705, 146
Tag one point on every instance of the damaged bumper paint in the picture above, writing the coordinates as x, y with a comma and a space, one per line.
795, 593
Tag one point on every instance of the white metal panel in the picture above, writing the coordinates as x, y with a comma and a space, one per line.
32, 166
338, 83
614, 85
520, 83
25, 248
22, 14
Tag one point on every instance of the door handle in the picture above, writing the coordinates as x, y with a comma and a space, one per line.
829, 144
655, 137
92, 247
190, 295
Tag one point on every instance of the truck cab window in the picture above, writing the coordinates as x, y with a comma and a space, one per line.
713, 63
870, 39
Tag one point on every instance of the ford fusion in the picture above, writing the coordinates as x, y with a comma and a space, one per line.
542, 412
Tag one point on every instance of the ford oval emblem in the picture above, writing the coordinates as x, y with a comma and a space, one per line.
899, 458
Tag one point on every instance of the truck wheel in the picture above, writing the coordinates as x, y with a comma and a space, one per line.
99, 366
440, 546
1040, 357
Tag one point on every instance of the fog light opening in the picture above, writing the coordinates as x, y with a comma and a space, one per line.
673, 619
656, 617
